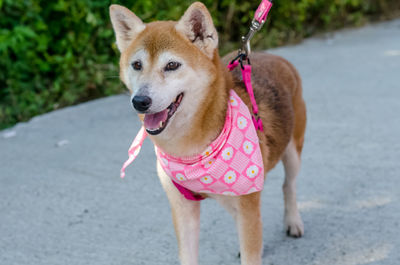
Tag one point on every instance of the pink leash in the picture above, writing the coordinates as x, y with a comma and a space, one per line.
259, 19
262, 11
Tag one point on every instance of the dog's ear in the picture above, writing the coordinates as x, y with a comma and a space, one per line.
126, 25
197, 25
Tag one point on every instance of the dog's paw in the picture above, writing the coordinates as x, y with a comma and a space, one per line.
294, 225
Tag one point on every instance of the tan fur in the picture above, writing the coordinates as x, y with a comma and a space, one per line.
278, 92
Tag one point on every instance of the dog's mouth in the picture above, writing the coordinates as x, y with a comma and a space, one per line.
155, 123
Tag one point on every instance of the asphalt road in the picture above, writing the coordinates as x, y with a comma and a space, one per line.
62, 202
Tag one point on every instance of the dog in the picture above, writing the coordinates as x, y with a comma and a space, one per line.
181, 88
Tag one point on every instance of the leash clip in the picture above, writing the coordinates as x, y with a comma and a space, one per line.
238, 60
258, 21
242, 59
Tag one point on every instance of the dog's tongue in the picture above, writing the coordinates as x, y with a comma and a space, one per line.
152, 121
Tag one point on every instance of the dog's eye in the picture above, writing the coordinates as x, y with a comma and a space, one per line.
172, 66
137, 65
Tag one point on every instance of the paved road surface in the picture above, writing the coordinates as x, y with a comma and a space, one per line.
62, 203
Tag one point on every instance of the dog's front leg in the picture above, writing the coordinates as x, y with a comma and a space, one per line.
247, 214
249, 225
186, 218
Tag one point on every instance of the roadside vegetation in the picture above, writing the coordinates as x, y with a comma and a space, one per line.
62, 52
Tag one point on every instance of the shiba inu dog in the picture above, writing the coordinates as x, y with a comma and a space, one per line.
180, 88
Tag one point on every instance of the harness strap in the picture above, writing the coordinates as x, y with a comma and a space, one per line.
246, 75
188, 194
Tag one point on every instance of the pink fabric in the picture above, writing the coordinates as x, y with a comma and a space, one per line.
231, 165
262, 11
246, 74
134, 149
188, 194
233, 65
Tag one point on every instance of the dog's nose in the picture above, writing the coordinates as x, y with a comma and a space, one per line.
141, 103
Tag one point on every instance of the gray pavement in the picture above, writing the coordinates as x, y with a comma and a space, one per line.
62, 202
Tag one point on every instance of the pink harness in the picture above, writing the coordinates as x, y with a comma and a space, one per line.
231, 165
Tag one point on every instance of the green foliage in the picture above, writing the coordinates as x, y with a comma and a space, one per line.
53, 54
61, 52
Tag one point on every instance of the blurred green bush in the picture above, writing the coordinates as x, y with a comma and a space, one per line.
62, 52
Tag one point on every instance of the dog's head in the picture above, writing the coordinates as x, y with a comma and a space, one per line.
167, 65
